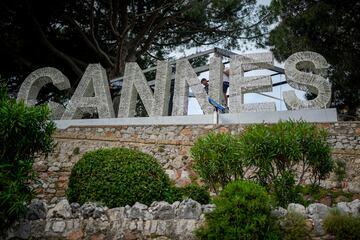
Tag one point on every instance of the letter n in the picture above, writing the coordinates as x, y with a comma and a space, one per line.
134, 83
185, 78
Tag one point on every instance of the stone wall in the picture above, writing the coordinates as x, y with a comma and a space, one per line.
171, 145
160, 220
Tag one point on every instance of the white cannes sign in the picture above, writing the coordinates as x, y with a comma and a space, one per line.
92, 93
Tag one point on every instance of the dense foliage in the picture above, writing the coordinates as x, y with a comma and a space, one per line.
242, 212
342, 226
25, 133
340, 170
69, 35
293, 227
329, 28
276, 156
195, 192
295, 147
284, 191
217, 159
118, 177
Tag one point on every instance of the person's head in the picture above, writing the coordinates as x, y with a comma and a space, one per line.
204, 81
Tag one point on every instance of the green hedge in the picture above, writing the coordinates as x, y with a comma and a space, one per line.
118, 177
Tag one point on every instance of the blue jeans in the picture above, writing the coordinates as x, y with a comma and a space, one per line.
225, 87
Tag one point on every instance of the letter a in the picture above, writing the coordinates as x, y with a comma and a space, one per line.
91, 94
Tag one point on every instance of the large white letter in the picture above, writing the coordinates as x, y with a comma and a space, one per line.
134, 82
91, 94
239, 85
216, 70
32, 85
185, 77
307, 81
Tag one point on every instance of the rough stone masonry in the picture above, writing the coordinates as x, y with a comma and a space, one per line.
171, 145
160, 220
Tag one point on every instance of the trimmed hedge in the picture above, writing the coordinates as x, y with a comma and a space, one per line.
118, 177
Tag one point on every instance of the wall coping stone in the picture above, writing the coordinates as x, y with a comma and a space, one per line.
308, 115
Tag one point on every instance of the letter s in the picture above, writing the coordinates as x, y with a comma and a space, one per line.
307, 81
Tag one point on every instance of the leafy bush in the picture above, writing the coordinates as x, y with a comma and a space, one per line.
217, 159
293, 227
195, 192
342, 226
242, 212
314, 193
340, 170
25, 133
284, 191
295, 147
118, 177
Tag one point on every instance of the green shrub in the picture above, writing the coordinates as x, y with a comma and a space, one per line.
118, 177
284, 191
25, 133
217, 159
242, 212
314, 193
340, 170
195, 192
342, 226
289, 146
293, 227
76, 151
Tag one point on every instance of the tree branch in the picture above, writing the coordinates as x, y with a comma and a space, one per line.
92, 34
48, 45
87, 41
114, 4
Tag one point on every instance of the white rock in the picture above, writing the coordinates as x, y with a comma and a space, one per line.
343, 207
355, 207
317, 210
58, 226
61, 210
298, 208
116, 214
279, 212
162, 210
188, 209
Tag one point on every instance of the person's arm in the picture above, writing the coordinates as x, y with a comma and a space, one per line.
227, 71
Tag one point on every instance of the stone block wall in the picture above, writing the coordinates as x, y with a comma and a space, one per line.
171, 146
160, 220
